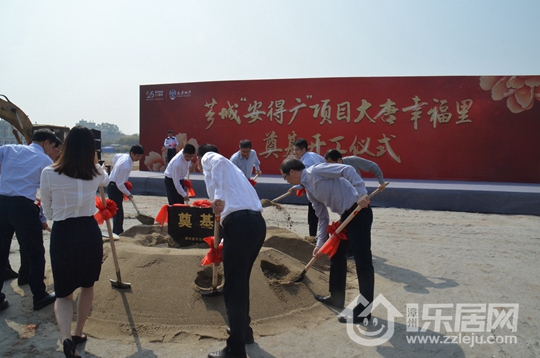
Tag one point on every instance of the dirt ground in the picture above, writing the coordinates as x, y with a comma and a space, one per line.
477, 273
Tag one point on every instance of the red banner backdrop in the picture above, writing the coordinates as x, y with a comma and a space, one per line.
433, 128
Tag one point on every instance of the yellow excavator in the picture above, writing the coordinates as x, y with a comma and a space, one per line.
21, 124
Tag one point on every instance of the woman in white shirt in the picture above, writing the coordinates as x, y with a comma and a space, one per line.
68, 190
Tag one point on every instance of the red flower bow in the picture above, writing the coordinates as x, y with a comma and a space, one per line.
128, 186
189, 186
252, 182
301, 192
105, 211
331, 245
213, 256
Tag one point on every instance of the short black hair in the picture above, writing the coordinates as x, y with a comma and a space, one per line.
301, 143
41, 135
245, 143
333, 154
291, 163
189, 149
205, 148
137, 149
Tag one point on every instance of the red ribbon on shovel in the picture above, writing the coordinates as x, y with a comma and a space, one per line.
128, 186
189, 186
331, 245
105, 212
214, 255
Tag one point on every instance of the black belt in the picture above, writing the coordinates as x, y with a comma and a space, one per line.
14, 198
240, 213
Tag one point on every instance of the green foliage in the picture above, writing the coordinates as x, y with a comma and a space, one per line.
128, 140
109, 128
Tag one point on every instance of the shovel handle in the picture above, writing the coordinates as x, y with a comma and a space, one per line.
135, 206
281, 197
111, 237
217, 239
255, 177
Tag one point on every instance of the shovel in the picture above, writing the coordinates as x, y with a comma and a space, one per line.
265, 202
118, 283
339, 229
144, 219
215, 291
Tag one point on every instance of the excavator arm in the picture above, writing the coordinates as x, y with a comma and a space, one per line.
17, 118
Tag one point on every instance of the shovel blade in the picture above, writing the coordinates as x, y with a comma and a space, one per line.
300, 277
119, 284
145, 219
215, 292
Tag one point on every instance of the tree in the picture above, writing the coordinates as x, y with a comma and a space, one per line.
109, 128
128, 140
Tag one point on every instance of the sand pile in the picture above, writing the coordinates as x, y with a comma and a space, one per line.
165, 299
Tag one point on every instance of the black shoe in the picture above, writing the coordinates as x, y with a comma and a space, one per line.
45, 301
79, 339
4, 305
69, 348
225, 354
249, 339
354, 320
329, 300
10, 274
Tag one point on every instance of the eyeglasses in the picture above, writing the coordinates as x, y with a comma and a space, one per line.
285, 176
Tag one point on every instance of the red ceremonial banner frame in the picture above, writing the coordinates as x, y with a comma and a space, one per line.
433, 128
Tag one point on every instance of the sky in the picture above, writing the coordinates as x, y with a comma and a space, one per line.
62, 60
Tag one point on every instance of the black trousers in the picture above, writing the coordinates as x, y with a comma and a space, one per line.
24, 269
244, 232
313, 220
20, 215
118, 197
171, 152
172, 194
359, 242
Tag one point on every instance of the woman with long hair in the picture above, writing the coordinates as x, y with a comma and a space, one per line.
68, 190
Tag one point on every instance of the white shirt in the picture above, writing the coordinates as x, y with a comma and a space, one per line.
21, 169
63, 197
226, 182
122, 164
177, 170
170, 142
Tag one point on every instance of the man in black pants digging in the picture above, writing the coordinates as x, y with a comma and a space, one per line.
235, 200
340, 188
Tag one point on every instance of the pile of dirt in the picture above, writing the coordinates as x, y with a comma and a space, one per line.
165, 298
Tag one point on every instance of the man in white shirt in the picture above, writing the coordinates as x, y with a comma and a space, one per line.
175, 174
122, 164
21, 173
170, 144
235, 200
246, 159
